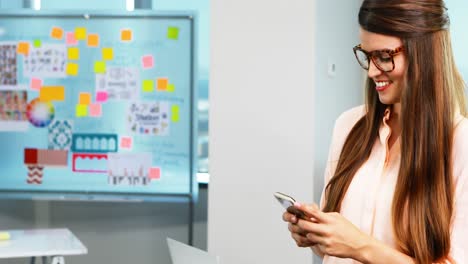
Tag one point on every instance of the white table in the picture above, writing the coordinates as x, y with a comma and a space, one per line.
45, 243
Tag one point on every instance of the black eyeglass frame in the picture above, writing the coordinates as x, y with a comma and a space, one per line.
376, 53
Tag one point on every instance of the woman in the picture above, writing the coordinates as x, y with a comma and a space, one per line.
396, 183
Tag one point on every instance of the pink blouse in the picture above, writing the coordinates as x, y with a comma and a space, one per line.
367, 203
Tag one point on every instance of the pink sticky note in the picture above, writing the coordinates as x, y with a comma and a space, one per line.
155, 173
126, 142
101, 96
70, 39
36, 84
147, 61
95, 110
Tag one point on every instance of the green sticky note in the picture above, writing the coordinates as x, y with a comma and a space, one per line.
148, 85
171, 87
173, 33
81, 110
100, 67
37, 43
175, 113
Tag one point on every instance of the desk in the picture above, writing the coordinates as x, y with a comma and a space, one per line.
54, 243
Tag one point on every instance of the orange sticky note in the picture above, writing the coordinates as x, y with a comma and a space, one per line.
72, 69
56, 33
162, 84
80, 33
81, 110
85, 98
23, 48
52, 93
126, 34
73, 53
95, 110
107, 53
93, 40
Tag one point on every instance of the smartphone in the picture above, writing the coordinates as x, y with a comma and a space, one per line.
288, 203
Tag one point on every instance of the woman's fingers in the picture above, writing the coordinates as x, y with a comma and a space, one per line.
312, 211
296, 229
315, 238
302, 241
288, 217
312, 227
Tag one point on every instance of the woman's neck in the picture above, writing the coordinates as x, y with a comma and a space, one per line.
396, 109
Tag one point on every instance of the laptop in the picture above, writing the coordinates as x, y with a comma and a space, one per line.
184, 254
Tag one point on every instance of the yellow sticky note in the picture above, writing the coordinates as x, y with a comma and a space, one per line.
81, 110
162, 84
175, 113
52, 93
148, 85
107, 53
126, 34
93, 40
23, 48
4, 236
85, 98
80, 33
100, 67
171, 87
73, 53
56, 33
72, 69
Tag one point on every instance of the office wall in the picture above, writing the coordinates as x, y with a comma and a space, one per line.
261, 126
457, 10
338, 91
279, 56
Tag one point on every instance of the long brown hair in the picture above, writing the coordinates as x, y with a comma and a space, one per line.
422, 205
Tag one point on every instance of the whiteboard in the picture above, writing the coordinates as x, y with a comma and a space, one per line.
97, 104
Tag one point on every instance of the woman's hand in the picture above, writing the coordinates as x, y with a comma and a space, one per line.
297, 233
333, 234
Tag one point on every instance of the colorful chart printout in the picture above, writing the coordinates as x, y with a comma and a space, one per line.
8, 64
47, 61
119, 83
94, 143
149, 118
89, 162
60, 134
129, 168
40, 113
13, 107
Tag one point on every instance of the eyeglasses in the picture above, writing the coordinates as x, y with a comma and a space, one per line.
382, 59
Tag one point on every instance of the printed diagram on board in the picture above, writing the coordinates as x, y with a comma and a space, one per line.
8, 64
47, 61
149, 118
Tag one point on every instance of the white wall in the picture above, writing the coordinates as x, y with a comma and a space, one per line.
261, 126
457, 10
269, 86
